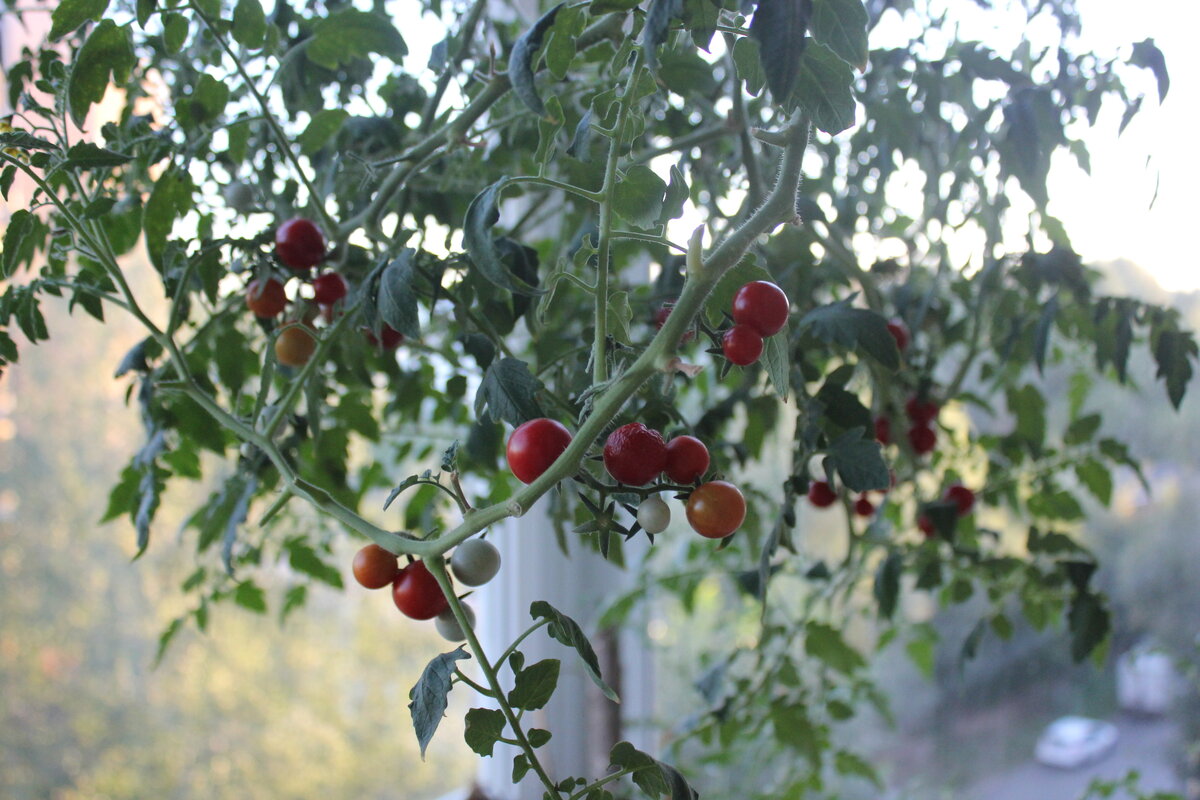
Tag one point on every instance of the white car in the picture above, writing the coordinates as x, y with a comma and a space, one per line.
1069, 742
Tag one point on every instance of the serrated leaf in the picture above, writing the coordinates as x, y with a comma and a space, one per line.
68, 15
482, 214
351, 34
321, 128
638, 196
1146, 54
826, 643
535, 685
427, 700
509, 392
779, 27
249, 24
107, 52
846, 326
483, 728
565, 630
650, 775
520, 61
841, 25
823, 89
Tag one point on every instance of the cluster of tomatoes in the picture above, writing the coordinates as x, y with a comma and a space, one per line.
922, 413
760, 310
415, 590
963, 500
822, 495
300, 246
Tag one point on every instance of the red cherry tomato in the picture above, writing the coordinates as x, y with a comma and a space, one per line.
763, 306
266, 298
294, 346
388, 338
534, 446
375, 567
925, 524
883, 430
716, 509
329, 288
687, 459
635, 454
742, 345
660, 319
299, 244
899, 332
922, 438
864, 507
921, 412
416, 592
962, 497
821, 494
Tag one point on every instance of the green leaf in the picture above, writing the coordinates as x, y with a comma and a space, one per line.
520, 61
520, 767
509, 392
841, 25
538, 737
1082, 430
25, 141
1055, 504
658, 27
823, 89
86, 155
748, 62
619, 315
677, 194
303, 558
482, 214
106, 52
921, 653
535, 685
1089, 622
826, 643
170, 198
777, 358
249, 596
175, 32
560, 49
1029, 406
396, 300
351, 34
1146, 54
565, 630
848, 763
779, 27
321, 128
794, 728
859, 462
249, 24
638, 196
1174, 353
650, 775
68, 15
484, 727
20, 225
205, 104
844, 325
887, 584
1096, 477
427, 700
1041, 334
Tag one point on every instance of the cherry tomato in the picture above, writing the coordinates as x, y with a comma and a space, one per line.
742, 345
899, 332
821, 494
635, 454
922, 438
299, 244
294, 346
447, 624
329, 288
921, 411
375, 567
925, 524
660, 319
416, 592
883, 430
266, 298
534, 446
864, 507
716, 509
653, 515
761, 305
388, 339
687, 459
475, 562
962, 497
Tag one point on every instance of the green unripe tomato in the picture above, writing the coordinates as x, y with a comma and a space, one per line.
654, 515
475, 562
448, 627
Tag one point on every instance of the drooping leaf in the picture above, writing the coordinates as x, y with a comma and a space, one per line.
350, 34
535, 685
107, 52
1096, 477
887, 584
777, 358
396, 300
779, 27
482, 214
649, 774
20, 225
520, 61
1041, 334
25, 141
251, 597
565, 630
427, 700
509, 392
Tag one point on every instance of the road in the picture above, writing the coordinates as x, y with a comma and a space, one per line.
1146, 745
